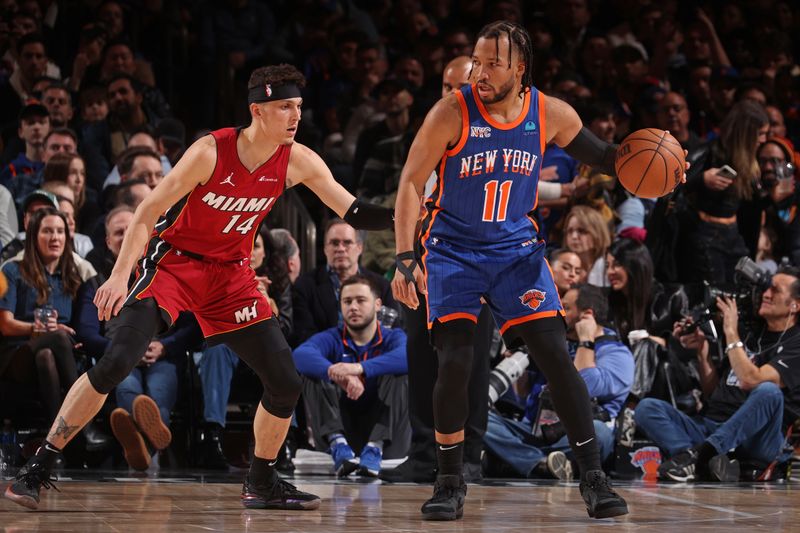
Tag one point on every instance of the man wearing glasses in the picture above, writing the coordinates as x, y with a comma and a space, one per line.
315, 295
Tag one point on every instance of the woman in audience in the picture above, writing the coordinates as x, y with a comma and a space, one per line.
35, 313
71, 169
272, 274
586, 233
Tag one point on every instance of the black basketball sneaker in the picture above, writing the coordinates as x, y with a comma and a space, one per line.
447, 502
29, 481
277, 494
601, 500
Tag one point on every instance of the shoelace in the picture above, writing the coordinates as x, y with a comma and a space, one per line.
35, 477
286, 489
600, 483
443, 493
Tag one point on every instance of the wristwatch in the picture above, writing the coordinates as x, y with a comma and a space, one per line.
586, 344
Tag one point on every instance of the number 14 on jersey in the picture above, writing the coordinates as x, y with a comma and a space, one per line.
491, 202
242, 228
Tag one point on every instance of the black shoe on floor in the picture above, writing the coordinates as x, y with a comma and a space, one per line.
447, 502
680, 467
278, 494
213, 454
601, 500
410, 471
472, 473
720, 468
29, 481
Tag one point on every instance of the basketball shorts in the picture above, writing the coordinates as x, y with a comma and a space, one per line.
516, 283
224, 297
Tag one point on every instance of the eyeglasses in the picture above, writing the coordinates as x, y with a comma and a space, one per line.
335, 243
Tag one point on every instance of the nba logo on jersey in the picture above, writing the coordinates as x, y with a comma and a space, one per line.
268, 90
533, 298
481, 132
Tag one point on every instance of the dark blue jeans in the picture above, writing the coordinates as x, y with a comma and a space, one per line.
511, 441
216, 369
754, 429
159, 381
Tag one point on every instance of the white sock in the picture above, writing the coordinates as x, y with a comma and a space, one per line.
336, 438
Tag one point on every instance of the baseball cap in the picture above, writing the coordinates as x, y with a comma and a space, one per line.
39, 194
171, 130
33, 108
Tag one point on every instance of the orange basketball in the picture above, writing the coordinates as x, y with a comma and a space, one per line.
650, 163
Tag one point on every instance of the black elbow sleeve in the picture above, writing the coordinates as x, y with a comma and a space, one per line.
364, 215
587, 148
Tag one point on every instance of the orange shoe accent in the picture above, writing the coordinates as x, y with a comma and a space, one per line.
132, 442
148, 419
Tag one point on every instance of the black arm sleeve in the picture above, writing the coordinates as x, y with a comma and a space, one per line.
364, 215
587, 148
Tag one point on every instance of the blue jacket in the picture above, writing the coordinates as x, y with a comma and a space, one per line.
386, 354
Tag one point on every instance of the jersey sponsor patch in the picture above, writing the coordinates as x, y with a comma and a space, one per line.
533, 298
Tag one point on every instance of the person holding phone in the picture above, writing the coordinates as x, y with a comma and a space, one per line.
35, 313
725, 200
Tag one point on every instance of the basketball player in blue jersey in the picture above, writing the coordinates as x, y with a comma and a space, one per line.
487, 142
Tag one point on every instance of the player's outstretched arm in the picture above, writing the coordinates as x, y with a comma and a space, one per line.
306, 167
442, 128
195, 167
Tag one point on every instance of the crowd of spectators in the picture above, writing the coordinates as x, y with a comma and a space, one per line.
98, 100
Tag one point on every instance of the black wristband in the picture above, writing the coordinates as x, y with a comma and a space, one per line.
365, 215
407, 270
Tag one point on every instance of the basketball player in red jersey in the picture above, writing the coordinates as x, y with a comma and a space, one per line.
197, 229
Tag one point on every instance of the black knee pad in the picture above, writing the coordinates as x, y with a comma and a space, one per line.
281, 389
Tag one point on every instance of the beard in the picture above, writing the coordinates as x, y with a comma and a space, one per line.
358, 327
500, 93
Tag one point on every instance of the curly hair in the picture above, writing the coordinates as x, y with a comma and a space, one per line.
276, 75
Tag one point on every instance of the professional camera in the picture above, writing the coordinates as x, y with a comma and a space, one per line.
505, 374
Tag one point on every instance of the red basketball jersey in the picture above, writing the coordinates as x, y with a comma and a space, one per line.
219, 220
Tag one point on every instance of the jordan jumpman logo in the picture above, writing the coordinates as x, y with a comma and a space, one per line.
228, 180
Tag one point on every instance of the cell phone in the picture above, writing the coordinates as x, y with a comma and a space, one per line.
727, 172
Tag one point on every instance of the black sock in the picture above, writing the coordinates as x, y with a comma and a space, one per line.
47, 454
451, 458
587, 456
262, 471
705, 451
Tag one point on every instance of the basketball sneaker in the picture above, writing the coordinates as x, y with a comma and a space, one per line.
447, 502
559, 466
601, 500
343, 459
277, 494
369, 462
680, 467
29, 481
720, 468
148, 419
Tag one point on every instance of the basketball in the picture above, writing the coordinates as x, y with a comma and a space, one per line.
650, 163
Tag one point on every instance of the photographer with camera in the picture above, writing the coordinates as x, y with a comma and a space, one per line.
750, 398
606, 366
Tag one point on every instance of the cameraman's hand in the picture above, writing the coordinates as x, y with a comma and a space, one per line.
695, 340
730, 317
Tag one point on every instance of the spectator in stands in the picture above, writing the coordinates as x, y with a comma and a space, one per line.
567, 270
58, 101
86, 62
93, 103
9, 226
726, 209
315, 295
32, 203
34, 125
170, 134
140, 143
32, 65
36, 312
586, 233
218, 363
606, 366
750, 399
81, 243
355, 385
286, 246
118, 58
70, 169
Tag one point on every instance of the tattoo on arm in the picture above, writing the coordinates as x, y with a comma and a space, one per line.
63, 430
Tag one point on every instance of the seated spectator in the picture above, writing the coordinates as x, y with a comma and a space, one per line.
35, 313
355, 384
34, 125
93, 104
139, 141
170, 134
70, 169
586, 233
218, 363
750, 399
286, 246
315, 295
567, 270
58, 101
606, 366
80, 242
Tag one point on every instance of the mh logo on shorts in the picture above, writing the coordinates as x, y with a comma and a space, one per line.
247, 314
533, 298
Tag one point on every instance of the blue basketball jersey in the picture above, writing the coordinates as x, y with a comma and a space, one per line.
487, 184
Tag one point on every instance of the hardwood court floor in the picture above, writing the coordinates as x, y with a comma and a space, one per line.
192, 504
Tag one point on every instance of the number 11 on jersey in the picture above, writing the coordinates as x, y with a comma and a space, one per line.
490, 200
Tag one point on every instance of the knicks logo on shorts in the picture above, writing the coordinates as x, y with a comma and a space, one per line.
533, 298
